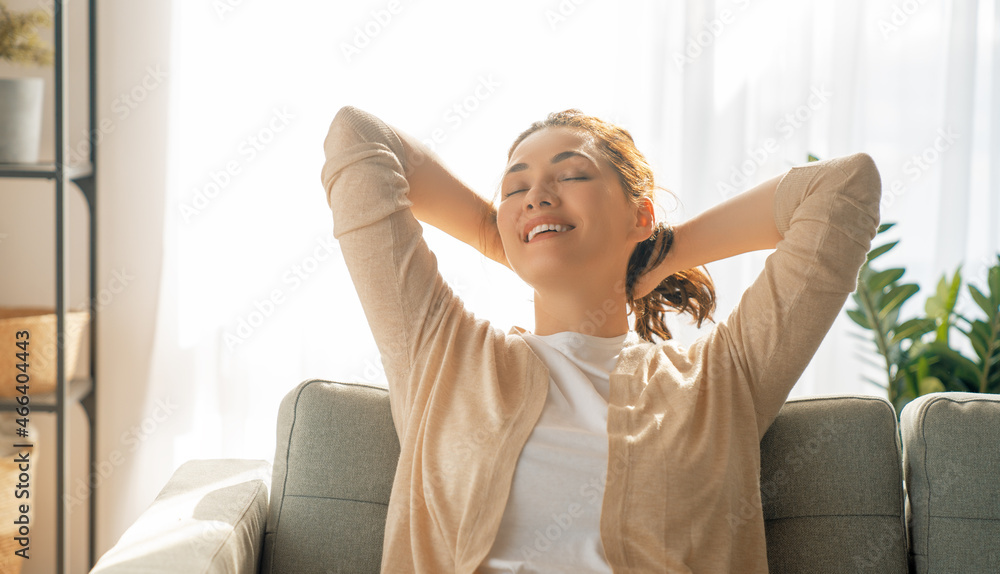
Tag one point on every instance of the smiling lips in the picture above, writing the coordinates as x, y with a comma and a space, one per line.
542, 228
540, 225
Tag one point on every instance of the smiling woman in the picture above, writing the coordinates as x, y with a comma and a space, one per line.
585, 446
604, 185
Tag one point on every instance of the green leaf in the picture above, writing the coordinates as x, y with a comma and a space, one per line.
935, 304
885, 227
979, 335
889, 321
913, 329
941, 305
895, 298
981, 300
879, 281
811, 158
880, 250
859, 318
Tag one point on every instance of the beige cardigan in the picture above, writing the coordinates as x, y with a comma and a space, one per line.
684, 423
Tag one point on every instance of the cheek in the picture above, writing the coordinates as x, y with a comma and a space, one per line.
506, 220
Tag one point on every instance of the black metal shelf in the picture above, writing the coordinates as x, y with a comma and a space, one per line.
79, 389
45, 170
83, 175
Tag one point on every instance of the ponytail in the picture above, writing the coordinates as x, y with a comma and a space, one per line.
689, 291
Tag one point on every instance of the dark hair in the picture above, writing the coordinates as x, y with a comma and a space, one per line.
690, 291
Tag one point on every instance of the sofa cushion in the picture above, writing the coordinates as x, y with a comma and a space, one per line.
334, 463
831, 483
951, 463
832, 488
209, 518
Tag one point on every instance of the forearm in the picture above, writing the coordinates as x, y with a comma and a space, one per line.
444, 201
740, 224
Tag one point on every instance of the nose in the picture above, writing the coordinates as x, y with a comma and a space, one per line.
540, 203
539, 195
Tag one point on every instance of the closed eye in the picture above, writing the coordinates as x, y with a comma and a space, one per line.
508, 194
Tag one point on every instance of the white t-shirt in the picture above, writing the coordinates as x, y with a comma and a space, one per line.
552, 519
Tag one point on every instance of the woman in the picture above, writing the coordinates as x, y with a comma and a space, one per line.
585, 446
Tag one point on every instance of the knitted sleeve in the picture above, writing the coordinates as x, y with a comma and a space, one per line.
394, 272
827, 213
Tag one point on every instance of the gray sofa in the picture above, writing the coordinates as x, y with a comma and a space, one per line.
832, 489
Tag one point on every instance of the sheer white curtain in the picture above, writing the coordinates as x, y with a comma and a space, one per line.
912, 83
255, 297
718, 95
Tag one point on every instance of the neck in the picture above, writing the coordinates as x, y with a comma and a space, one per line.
601, 313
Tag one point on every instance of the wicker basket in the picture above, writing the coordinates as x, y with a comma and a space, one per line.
9, 503
41, 323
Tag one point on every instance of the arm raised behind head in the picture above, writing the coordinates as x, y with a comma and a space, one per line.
740, 224
444, 201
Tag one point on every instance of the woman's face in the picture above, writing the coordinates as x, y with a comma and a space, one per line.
557, 177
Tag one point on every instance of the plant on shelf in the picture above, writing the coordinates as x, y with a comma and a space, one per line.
21, 98
918, 355
19, 40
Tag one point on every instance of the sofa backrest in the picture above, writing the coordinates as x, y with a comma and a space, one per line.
334, 463
951, 463
831, 484
832, 487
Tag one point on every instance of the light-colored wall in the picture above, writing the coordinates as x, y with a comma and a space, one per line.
136, 36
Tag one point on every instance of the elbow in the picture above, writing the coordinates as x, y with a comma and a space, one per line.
341, 133
346, 116
866, 183
353, 126
864, 165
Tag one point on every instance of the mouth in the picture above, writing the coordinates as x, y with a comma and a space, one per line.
546, 230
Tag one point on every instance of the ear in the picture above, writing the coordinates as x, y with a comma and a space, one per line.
645, 219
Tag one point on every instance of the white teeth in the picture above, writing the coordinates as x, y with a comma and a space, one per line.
546, 227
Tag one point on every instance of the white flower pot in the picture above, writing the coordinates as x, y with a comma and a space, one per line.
20, 119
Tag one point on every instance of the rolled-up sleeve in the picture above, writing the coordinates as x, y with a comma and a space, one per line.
394, 272
827, 213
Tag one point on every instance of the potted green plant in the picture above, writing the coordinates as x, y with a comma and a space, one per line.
920, 355
21, 99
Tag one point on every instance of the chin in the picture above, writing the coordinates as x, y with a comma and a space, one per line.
548, 276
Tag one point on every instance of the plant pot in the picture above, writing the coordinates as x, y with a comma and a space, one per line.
20, 119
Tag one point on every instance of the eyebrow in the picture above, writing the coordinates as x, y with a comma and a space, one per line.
555, 159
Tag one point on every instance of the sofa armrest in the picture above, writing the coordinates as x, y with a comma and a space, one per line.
951, 460
209, 518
